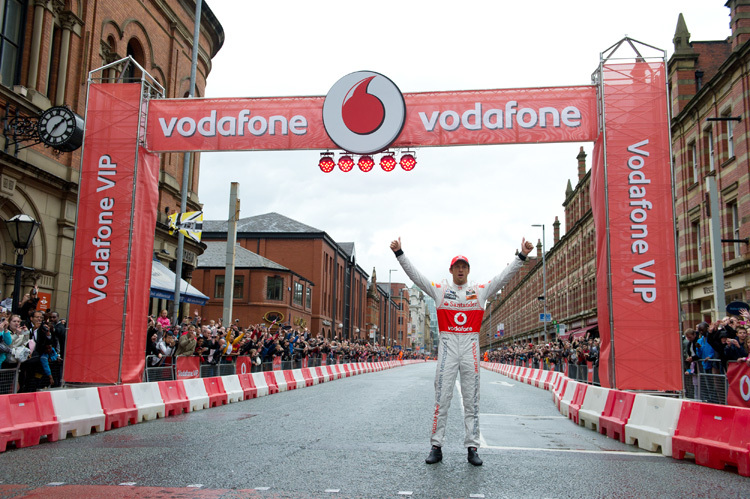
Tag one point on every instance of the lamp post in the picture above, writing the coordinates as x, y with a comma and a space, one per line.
544, 279
21, 229
388, 329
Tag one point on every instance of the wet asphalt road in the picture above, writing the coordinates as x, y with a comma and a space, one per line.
365, 436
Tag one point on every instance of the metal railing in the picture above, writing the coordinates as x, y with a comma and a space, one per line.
164, 369
704, 383
27, 376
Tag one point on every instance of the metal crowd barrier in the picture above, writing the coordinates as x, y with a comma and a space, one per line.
164, 369
706, 385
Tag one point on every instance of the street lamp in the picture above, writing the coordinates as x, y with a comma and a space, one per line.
388, 329
21, 229
544, 279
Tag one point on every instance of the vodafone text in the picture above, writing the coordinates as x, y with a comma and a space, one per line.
496, 119
639, 230
102, 242
231, 126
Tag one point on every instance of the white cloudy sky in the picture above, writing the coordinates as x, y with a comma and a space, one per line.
477, 201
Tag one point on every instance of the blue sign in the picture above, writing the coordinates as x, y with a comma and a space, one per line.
545, 317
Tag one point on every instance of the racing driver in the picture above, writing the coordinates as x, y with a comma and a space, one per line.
460, 307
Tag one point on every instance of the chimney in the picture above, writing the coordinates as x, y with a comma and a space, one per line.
581, 164
556, 225
739, 21
684, 74
539, 250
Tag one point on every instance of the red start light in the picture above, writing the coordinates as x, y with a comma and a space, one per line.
346, 163
365, 163
408, 162
327, 164
388, 163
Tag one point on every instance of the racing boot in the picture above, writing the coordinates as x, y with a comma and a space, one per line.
436, 455
473, 457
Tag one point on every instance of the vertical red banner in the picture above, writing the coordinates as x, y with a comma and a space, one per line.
118, 197
644, 339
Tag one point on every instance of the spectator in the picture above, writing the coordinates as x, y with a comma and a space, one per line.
690, 351
28, 305
186, 344
163, 320
153, 355
58, 327
735, 348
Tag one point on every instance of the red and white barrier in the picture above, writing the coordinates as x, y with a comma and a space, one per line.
78, 411
147, 400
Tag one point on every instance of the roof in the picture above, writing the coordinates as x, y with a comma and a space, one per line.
268, 222
215, 256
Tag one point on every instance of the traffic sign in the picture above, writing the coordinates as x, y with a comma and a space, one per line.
545, 317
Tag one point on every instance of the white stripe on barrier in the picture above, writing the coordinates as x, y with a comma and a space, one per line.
260, 384
232, 386
592, 407
148, 401
78, 411
196, 393
652, 423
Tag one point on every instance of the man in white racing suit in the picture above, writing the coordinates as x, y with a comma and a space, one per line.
460, 308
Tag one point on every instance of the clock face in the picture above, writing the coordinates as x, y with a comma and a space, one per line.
56, 126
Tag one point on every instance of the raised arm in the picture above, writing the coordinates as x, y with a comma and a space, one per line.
412, 273
500, 280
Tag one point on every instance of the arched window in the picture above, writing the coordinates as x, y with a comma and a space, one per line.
135, 51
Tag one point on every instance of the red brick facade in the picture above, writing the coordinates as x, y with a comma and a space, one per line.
74, 37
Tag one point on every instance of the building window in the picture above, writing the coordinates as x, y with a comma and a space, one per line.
735, 221
308, 299
697, 246
693, 161
298, 291
730, 134
275, 288
12, 25
219, 286
710, 148
239, 286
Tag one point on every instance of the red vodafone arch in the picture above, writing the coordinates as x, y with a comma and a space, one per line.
624, 112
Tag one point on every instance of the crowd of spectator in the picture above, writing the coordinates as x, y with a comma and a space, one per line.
33, 343
709, 347
214, 342
574, 352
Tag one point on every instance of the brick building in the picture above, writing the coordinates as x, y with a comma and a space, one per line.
325, 272
47, 49
571, 279
708, 84
709, 107
252, 303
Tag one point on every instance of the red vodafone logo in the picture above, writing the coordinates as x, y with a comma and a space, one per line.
364, 112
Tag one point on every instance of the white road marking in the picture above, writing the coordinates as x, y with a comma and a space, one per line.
405, 492
333, 491
476, 495
262, 488
128, 484
579, 451
55, 484
195, 486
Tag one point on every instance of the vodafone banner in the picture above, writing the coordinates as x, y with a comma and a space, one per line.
644, 339
738, 383
188, 367
511, 116
118, 196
